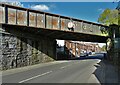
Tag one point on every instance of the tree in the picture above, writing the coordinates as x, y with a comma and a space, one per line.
109, 17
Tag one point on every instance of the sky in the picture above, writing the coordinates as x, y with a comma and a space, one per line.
89, 11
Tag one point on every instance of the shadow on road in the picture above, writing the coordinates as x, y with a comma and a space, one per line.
87, 57
97, 56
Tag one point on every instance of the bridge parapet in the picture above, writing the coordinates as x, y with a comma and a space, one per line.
33, 18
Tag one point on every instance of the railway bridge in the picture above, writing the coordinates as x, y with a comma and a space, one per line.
29, 36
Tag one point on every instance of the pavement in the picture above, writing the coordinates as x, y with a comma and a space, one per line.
67, 71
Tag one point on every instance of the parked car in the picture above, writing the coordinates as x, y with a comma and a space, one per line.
83, 54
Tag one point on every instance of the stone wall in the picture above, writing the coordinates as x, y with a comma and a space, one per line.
19, 51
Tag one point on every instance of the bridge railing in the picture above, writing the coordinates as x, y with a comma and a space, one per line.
33, 18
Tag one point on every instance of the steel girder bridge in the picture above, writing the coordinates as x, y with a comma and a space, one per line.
51, 25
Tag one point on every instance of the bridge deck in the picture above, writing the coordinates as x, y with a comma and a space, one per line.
52, 25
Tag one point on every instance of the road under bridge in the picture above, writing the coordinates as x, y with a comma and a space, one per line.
29, 36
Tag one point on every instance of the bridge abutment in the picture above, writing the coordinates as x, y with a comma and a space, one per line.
21, 48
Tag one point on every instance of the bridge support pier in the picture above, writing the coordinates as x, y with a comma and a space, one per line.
21, 48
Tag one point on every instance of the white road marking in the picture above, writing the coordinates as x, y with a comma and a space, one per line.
34, 77
64, 67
